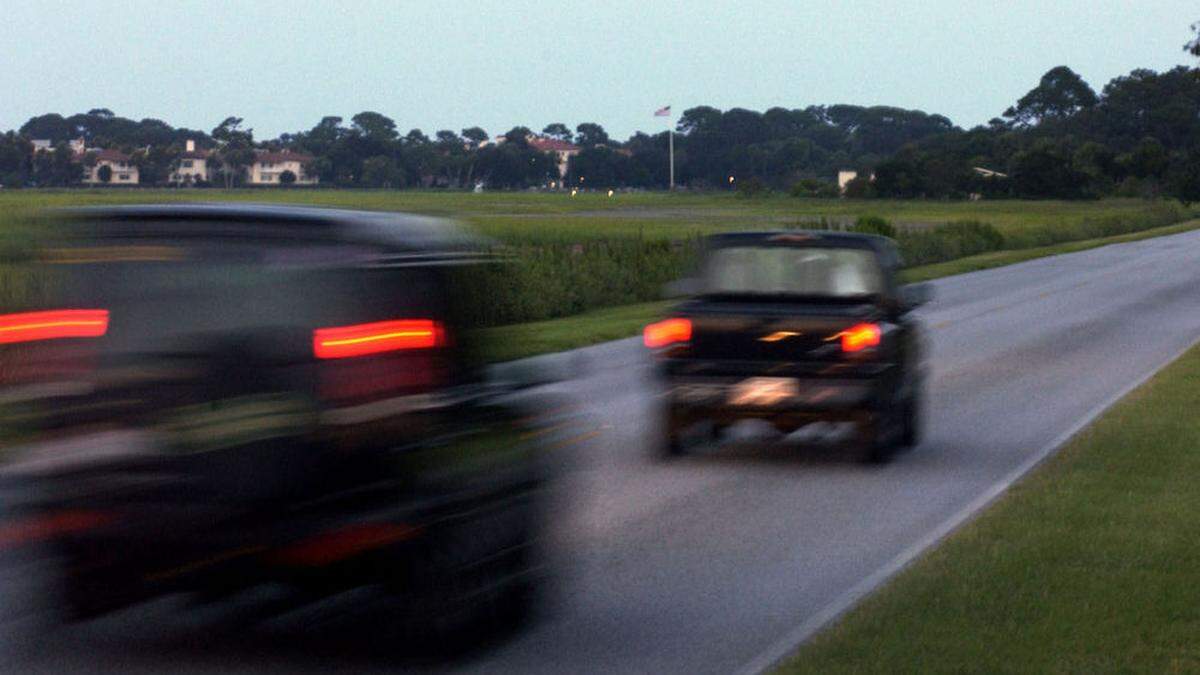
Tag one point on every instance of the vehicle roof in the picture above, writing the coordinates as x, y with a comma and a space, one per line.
395, 231
883, 247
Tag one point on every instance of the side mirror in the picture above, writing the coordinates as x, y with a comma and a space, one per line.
682, 288
915, 295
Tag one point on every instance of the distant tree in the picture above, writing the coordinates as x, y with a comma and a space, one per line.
286, 177
1148, 159
235, 149
1193, 47
1046, 169
590, 134
601, 167
374, 126
155, 163
1060, 94
51, 126
558, 130
514, 165
416, 137
58, 168
518, 136
1184, 179
700, 118
104, 173
381, 171
101, 112
474, 135
15, 154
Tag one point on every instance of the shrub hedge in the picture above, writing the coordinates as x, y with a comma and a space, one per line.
550, 280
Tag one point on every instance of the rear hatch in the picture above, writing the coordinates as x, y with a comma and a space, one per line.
212, 353
770, 331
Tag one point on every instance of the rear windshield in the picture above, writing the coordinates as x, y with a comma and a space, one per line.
790, 270
164, 296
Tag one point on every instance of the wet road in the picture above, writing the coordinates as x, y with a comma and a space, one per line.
724, 560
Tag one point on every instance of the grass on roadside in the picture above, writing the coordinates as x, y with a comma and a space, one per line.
506, 343
1088, 565
592, 215
985, 261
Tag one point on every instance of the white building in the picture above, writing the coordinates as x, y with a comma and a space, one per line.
193, 166
844, 178
268, 168
122, 171
562, 151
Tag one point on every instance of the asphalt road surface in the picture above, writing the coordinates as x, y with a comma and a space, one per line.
724, 560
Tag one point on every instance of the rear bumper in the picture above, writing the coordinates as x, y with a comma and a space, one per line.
461, 544
805, 400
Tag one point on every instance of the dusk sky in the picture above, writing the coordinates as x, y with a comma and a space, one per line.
435, 65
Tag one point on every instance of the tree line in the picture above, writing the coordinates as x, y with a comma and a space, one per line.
1138, 136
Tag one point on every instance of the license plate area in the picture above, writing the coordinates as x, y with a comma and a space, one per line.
764, 391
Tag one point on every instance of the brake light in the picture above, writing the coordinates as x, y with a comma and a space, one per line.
667, 332
44, 527
860, 337
53, 324
373, 338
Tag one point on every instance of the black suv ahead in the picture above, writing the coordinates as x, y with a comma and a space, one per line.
794, 327
205, 398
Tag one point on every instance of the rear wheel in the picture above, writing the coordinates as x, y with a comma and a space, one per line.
672, 444
910, 426
478, 581
882, 436
670, 440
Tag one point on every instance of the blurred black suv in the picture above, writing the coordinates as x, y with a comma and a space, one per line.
205, 398
795, 327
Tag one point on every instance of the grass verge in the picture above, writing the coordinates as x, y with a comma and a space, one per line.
985, 261
505, 343
539, 337
1087, 565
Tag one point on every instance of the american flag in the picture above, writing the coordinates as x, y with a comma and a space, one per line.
663, 112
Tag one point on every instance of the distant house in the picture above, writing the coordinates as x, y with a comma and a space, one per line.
41, 145
193, 166
844, 178
123, 172
268, 167
562, 150
988, 173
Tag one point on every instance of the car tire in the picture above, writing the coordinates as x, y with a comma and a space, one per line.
911, 423
31, 611
670, 441
881, 438
672, 445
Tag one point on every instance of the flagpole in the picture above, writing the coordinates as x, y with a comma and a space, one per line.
671, 152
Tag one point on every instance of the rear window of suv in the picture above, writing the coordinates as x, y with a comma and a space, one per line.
790, 270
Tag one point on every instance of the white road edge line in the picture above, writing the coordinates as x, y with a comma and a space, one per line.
792, 642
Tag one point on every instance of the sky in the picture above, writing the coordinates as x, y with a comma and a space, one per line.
282, 65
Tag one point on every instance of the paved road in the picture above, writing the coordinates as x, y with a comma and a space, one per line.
721, 561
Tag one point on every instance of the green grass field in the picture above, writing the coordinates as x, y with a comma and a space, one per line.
558, 216
561, 297
1088, 565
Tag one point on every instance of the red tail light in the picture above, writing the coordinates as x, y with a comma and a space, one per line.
48, 526
373, 338
860, 337
667, 332
50, 325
